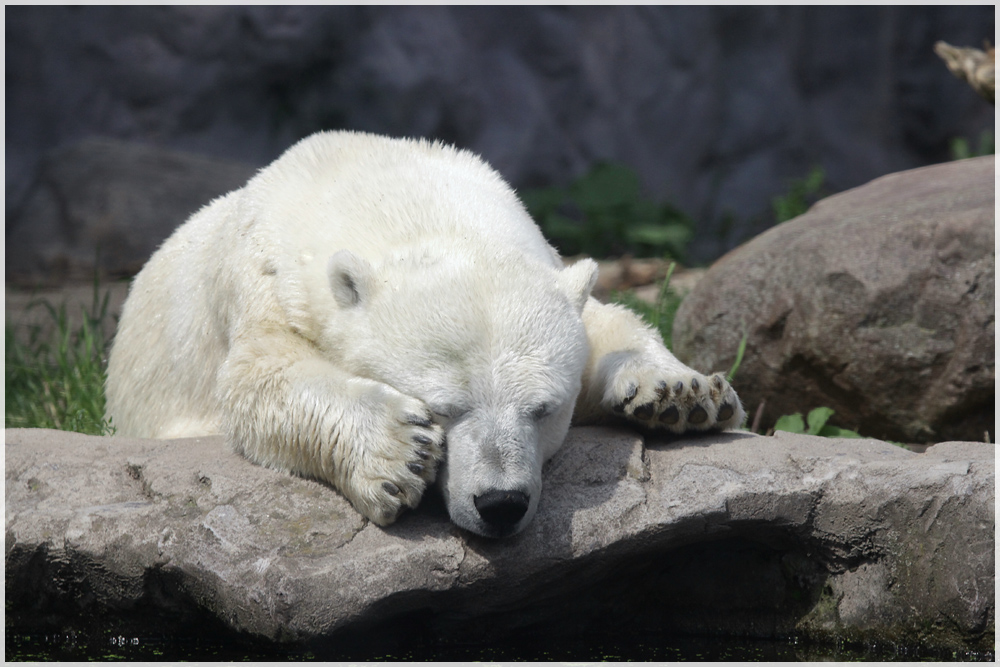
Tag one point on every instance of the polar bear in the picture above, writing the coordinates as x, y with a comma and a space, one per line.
378, 313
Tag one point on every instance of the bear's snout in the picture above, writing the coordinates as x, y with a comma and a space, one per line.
502, 509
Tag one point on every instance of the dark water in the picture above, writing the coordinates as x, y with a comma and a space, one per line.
23, 644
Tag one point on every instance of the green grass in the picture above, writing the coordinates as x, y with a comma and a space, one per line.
960, 149
55, 378
802, 193
740, 351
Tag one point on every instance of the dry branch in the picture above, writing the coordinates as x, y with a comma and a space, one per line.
971, 65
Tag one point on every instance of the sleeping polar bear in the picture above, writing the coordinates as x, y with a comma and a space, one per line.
376, 313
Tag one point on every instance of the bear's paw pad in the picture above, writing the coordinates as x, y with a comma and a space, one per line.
393, 470
675, 401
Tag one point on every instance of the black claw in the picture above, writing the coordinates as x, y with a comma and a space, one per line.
694, 384
390, 488
679, 387
629, 395
643, 411
415, 468
698, 415
662, 390
670, 416
725, 412
717, 382
424, 454
422, 439
418, 420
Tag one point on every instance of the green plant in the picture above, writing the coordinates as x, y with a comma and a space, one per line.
817, 425
55, 379
802, 193
660, 314
960, 148
603, 214
740, 351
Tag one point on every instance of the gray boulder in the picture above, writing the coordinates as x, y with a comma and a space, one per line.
730, 534
878, 303
121, 199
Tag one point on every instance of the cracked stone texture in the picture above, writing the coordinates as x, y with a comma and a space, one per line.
730, 533
878, 303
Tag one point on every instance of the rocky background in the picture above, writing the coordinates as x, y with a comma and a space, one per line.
716, 108
123, 121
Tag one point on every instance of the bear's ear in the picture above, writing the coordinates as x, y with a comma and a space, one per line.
576, 282
351, 278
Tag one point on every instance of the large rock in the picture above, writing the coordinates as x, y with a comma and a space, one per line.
716, 108
731, 534
112, 200
878, 303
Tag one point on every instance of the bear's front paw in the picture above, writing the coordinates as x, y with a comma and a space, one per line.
676, 400
397, 460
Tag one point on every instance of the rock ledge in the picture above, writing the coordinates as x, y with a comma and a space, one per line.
728, 534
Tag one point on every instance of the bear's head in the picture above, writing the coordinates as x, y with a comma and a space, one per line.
494, 346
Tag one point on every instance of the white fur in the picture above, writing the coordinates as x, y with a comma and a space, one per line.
363, 300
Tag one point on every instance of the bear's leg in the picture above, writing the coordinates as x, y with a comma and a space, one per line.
632, 375
287, 408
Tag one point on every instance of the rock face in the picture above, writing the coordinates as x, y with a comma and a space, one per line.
716, 108
119, 198
728, 534
878, 303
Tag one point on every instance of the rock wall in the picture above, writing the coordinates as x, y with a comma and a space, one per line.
108, 204
715, 107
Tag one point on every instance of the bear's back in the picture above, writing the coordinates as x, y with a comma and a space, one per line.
369, 194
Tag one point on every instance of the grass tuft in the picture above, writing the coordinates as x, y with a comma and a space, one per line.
960, 149
55, 379
802, 193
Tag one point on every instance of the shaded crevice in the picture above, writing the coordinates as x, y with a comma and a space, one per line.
776, 330
749, 579
347, 543
134, 471
731, 586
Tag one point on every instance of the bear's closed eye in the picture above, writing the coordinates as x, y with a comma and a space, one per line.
541, 411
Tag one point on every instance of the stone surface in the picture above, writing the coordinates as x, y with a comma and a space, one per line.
716, 108
728, 534
878, 303
115, 198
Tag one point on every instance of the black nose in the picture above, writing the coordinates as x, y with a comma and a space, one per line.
502, 509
